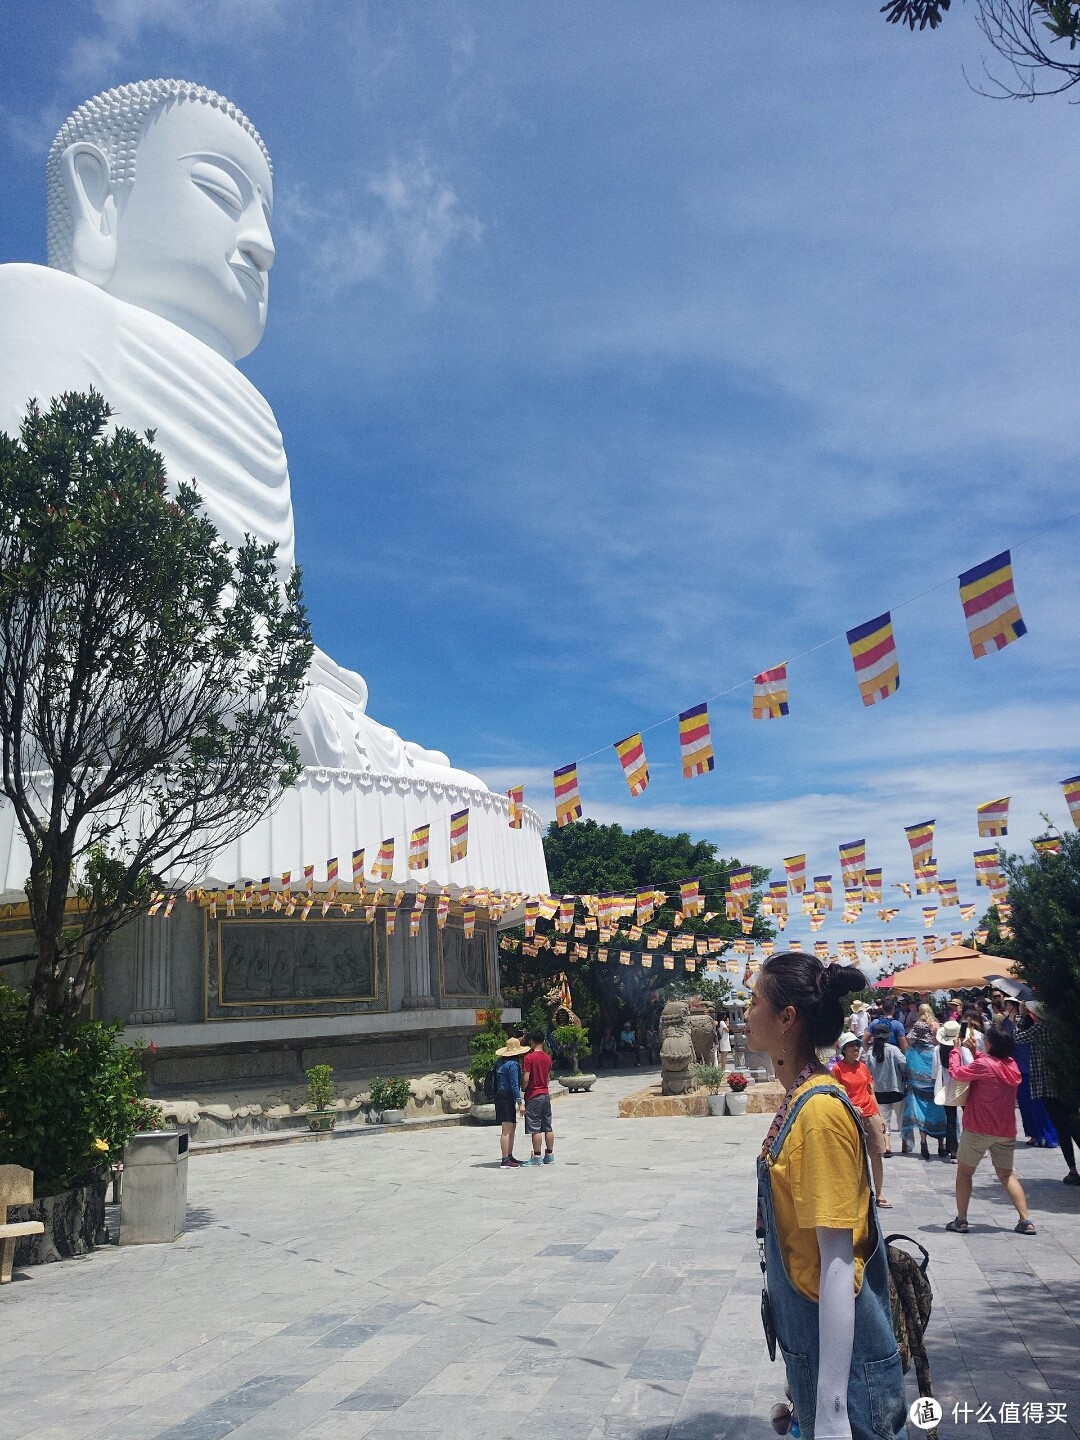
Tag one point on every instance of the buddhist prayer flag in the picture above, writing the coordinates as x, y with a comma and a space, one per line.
264, 893
309, 878
416, 914
567, 799
853, 862
929, 915
770, 700
921, 839
631, 753
695, 741
468, 921
967, 912
823, 891
358, 869
459, 835
877, 665
332, 871
994, 817
442, 909
926, 878
1072, 798
1047, 845
419, 848
795, 870
516, 796
383, 869
987, 863
740, 884
982, 934
947, 893
872, 886
230, 902
565, 922
690, 897
989, 601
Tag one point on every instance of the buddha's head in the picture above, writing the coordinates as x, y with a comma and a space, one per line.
161, 193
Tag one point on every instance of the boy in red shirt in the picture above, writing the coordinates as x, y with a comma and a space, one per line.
854, 1075
536, 1068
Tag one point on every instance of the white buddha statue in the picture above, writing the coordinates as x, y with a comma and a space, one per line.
160, 200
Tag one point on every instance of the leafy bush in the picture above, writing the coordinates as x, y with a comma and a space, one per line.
536, 1016
389, 1094
710, 1077
484, 1043
71, 1097
320, 1086
573, 1041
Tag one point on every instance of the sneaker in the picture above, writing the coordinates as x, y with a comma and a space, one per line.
511, 1164
549, 1159
1072, 1178
536, 1160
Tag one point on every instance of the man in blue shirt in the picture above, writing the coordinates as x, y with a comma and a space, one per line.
509, 1102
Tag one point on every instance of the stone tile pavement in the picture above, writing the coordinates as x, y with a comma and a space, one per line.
403, 1285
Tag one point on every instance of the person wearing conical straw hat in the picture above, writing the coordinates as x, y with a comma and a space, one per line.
509, 1102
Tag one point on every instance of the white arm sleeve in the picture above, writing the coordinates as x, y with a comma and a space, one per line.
836, 1332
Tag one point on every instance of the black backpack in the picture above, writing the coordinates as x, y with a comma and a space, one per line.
489, 1085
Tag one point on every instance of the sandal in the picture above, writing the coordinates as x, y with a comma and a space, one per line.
957, 1226
1025, 1227
884, 1205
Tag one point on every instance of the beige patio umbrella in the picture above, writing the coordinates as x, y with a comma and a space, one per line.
952, 968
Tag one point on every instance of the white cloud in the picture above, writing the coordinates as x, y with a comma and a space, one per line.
395, 229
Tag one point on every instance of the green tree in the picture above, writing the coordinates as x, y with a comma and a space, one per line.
1038, 39
1044, 892
587, 858
149, 680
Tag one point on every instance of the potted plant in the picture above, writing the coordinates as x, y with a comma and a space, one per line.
320, 1098
710, 1078
572, 1040
737, 1101
389, 1098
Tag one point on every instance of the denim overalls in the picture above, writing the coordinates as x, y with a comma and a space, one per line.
876, 1403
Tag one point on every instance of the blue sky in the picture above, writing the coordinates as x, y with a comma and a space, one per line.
623, 350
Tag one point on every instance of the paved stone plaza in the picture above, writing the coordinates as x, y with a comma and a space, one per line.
401, 1284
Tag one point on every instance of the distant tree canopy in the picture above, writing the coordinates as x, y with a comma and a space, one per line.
591, 859
1038, 39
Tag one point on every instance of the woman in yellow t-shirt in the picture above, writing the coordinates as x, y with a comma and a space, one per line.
822, 1249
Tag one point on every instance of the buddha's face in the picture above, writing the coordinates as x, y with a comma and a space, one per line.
193, 236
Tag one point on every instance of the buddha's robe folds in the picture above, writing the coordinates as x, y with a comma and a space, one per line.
58, 332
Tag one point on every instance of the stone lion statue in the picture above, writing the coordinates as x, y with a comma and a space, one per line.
703, 1031
676, 1049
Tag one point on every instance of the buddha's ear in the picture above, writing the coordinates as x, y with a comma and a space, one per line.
88, 186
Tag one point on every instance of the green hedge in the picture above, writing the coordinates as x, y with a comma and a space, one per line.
70, 1098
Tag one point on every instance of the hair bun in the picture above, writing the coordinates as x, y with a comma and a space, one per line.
839, 980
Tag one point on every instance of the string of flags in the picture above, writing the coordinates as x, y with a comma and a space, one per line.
993, 618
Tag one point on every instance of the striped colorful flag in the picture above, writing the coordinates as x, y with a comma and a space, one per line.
821, 949
967, 912
853, 862
823, 891
459, 835
264, 894
309, 879
442, 909
358, 869
989, 601
929, 915
419, 848
982, 934
332, 871
740, 885
516, 796
948, 893
795, 870
994, 817
567, 799
1047, 845
690, 897
770, 700
695, 741
468, 921
631, 753
987, 863
926, 878
872, 886
921, 839
383, 869
877, 665
1072, 798
416, 914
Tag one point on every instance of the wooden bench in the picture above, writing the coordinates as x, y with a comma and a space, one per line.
16, 1188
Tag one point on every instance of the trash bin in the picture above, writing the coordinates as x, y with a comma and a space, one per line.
153, 1192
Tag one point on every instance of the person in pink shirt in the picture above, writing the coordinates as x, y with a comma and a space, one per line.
989, 1123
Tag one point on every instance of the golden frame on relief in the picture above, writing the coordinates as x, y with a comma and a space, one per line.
293, 1002
483, 931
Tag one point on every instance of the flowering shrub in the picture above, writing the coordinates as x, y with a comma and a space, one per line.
71, 1097
737, 1082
